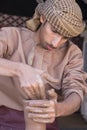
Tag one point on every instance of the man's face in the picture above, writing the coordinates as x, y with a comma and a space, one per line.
49, 38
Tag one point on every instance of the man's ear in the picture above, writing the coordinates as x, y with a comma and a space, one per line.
42, 19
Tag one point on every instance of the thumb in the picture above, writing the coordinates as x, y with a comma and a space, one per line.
52, 95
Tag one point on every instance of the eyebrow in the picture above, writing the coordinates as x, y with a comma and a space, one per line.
53, 29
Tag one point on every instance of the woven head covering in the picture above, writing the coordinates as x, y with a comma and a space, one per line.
64, 15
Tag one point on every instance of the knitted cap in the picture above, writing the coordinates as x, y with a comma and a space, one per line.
64, 15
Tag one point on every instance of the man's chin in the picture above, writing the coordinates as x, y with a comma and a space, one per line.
47, 47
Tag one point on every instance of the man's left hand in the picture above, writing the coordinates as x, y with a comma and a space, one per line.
42, 111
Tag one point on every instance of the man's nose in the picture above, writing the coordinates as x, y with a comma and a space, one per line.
56, 41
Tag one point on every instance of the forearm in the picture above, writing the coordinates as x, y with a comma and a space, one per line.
9, 68
69, 105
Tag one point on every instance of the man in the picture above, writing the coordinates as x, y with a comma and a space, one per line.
32, 64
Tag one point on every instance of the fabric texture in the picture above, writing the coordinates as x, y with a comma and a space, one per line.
64, 16
12, 20
61, 64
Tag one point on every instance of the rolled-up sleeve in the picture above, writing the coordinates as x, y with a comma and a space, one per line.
73, 78
8, 40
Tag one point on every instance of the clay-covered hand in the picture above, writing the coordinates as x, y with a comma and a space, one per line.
41, 111
31, 82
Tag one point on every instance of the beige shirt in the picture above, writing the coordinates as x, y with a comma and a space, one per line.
64, 64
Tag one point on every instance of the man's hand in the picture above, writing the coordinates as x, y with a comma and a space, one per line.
31, 82
41, 111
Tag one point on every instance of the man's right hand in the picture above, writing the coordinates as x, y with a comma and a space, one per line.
31, 82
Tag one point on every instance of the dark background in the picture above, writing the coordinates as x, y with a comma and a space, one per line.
26, 7
18, 7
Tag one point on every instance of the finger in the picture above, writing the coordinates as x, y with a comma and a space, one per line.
32, 91
44, 120
38, 103
52, 94
41, 88
36, 90
41, 116
30, 95
39, 110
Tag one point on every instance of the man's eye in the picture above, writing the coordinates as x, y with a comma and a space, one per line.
53, 30
65, 37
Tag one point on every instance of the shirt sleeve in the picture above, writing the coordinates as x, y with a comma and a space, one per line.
73, 78
8, 41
